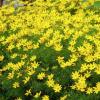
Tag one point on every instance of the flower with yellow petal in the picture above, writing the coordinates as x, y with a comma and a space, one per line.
28, 92
15, 84
40, 76
57, 87
45, 97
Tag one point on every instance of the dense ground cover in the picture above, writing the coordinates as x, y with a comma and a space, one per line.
50, 50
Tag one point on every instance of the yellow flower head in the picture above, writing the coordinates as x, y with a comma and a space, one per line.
97, 88
15, 84
50, 76
50, 82
45, 97
28, 92
57, 87
89, 90
1, 58
37, 94
19, 98
41, 76
75, 75
64, 97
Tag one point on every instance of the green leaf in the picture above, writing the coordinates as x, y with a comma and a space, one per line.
97, 4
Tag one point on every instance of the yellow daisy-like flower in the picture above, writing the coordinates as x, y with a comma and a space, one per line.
1, 58
19, 98
50, 83
15, 85
75, 75
35, 64
45, 97
64, 97
28, 92
97, 88
26, 80
37, 94
33, 58
10, 75
14, 55
60, 59
58, 47
97, 70
89, 90
50, 76
36, 46
57, 87
41, 76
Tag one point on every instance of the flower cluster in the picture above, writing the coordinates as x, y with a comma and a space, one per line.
50, 50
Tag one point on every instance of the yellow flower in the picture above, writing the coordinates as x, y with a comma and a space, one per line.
97, 88
19, 75
35, 46
89, 90
14, 55
41, 76
33, 58
28, 92
31, 72
10, 47
35, 64
75, 75
65, 64
81, 84
63, 98
45, 97
37, 94
97, 70
50, 76
60, 59
24, 56
15, 84
0, 73
26, 80
1, 58
10, 75
87, 74
50, 82
42, 40
19, 98
84, 67
92, 66
58, 47
61, 7
57, 87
